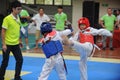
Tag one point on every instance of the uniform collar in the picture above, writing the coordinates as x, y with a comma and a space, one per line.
16, 19
60, 13
14, 16
108, 15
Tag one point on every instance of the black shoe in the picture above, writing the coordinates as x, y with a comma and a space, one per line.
2, 78
112, 48
103, 48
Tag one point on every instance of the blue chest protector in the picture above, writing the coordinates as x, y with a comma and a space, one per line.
52, 48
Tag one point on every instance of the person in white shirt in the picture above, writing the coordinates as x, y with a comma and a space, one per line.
38, 19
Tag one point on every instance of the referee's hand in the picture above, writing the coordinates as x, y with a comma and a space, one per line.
4, 47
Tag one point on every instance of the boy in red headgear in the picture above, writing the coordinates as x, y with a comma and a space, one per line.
85, 45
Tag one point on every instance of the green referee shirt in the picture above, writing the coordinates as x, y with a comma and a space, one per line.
109, 21
12, 26
60, 21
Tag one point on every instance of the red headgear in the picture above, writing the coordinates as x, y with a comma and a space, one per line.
85, 21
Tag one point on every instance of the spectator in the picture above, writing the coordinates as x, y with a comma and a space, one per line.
118, 18
10, 41
38, 19
24, 17
60, 19
107, 22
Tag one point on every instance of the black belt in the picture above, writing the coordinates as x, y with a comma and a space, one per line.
92, 51
64, 64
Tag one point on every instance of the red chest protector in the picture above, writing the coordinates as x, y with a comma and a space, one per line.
86, 38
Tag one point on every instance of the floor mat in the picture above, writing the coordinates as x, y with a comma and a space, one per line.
96, 70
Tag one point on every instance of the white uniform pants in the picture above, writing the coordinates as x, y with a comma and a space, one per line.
84, 50
56, 62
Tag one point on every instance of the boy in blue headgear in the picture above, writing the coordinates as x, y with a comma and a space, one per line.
52, 48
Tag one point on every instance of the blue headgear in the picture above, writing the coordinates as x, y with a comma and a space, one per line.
46, 27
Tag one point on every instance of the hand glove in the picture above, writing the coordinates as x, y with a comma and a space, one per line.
70, 27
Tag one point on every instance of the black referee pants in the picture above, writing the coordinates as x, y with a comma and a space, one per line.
15, 49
